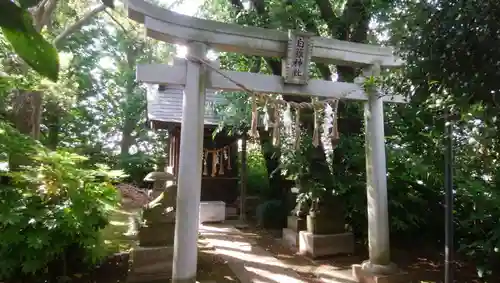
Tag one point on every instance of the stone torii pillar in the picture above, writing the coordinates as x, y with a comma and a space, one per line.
378, 268
190, 170
376, 172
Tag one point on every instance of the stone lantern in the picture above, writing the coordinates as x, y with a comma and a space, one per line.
159, 215
152, 259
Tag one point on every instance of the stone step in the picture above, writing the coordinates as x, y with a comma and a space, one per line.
159, 267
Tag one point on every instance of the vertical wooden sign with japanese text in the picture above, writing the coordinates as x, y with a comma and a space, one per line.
296, 64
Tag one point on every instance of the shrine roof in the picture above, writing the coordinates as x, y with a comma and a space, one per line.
164, 104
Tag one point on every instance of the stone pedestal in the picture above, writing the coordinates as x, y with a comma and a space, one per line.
326, 224
153, 259
291, 233
150, 264
296, 223
364, 273
157, 236
290, 239
325, 235
315, 245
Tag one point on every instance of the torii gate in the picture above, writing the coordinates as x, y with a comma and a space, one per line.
197, 34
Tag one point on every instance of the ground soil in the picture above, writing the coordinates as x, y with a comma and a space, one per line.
211, 268
114, 269
423, 264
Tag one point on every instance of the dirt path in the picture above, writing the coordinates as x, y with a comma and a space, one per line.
423, 265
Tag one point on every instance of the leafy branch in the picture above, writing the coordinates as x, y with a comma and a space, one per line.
20, 31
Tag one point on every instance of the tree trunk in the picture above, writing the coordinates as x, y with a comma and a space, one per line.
53, 135
129, 122
353, 26
28, 104
272, 158
27, 113
271, 155
316, 156
53, 122
127, 138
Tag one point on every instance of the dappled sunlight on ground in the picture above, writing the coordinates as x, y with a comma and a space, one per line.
425, 264
255, 263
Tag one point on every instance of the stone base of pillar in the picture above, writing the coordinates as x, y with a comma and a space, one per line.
315, 246
371, 273
190, 280
150, 264
290, 239
241, 225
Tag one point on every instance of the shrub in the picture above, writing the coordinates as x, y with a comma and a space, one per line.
257, 180
50, 209
271, 214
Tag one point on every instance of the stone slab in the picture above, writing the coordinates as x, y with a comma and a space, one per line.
364, 276
290, 239
325, 245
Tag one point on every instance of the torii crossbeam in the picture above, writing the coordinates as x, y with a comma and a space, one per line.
199, 34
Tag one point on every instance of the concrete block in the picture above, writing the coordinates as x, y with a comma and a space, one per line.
365, 276
212, 211
325, 245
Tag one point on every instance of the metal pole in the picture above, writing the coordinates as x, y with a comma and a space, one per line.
243, 180
448, 217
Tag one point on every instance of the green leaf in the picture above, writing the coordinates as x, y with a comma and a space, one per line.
11, 16
28, 3
30, 45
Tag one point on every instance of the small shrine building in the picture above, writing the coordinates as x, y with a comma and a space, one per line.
220, 178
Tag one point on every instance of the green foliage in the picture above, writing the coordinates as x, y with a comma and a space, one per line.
28, 3
451, 66
234, 112
50, 207
27, 42
136, 166
452, 62
96, 109
14, 17
257, 181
